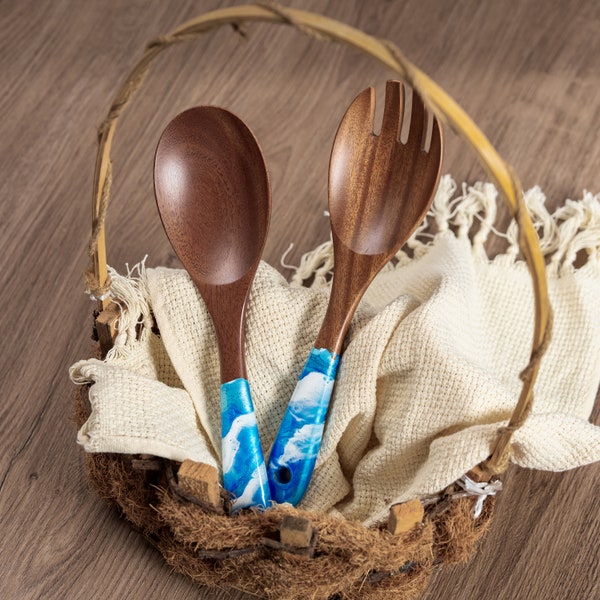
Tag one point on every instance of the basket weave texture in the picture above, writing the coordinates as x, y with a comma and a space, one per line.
350, 561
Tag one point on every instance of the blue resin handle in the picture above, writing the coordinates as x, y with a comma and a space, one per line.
298, 440
244, 471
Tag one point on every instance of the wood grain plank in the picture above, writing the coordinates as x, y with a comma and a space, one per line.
528, 72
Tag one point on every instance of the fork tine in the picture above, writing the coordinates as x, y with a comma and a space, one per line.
435, 146
360, 115
393, 110
417, 131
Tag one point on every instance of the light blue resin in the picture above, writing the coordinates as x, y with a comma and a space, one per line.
298, 440
244, 471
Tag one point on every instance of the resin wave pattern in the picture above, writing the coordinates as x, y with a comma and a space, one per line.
244, 470
298, 440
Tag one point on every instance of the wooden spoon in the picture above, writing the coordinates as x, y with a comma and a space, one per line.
380, 190
213, 194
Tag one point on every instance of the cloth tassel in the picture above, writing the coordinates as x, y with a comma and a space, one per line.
571, 230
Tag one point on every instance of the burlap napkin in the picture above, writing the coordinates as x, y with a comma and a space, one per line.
429, 374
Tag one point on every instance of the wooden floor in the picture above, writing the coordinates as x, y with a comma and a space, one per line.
528, 72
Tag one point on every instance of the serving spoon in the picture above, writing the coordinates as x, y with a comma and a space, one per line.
213, 194
380, 190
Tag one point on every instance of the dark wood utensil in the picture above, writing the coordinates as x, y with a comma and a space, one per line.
213, 194
380, 190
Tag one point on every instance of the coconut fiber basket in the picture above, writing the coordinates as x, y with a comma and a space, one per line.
285, 552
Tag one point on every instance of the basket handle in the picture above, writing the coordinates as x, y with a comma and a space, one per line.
436, 99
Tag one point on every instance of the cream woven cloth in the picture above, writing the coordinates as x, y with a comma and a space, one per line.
429, 374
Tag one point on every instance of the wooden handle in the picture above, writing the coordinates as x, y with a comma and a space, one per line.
434, 97
352, 276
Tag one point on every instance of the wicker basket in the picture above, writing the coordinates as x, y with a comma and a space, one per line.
340, 559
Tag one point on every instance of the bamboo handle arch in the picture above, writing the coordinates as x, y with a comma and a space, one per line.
445, 109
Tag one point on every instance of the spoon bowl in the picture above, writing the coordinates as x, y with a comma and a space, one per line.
211, 185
